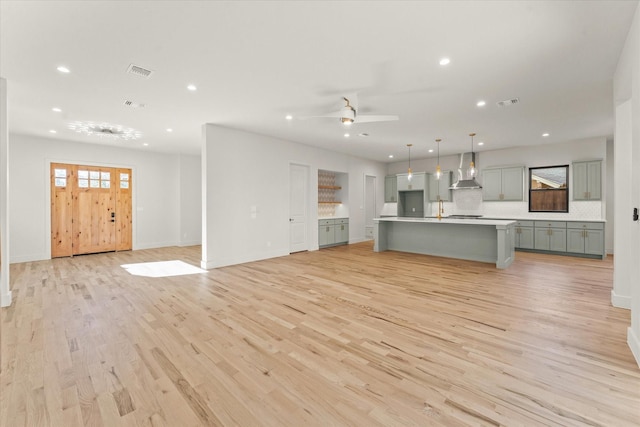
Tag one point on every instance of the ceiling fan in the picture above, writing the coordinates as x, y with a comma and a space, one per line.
348, 114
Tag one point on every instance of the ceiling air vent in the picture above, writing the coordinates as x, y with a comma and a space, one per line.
139, 71
508, 102
134, 104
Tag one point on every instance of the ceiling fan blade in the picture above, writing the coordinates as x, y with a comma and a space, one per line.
371, 118
334, 115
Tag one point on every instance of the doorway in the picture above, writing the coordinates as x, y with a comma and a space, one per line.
298, 207
91, 209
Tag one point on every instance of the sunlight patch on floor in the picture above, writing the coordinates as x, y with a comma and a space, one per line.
162, 269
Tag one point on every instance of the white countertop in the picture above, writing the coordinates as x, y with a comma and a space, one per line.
524, 218
462, 221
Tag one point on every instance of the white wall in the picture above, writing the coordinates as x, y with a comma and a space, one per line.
242, 170
470, 201
157, 181
626, 90
190, 200
5, 292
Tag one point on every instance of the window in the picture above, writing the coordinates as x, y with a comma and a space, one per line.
549, 189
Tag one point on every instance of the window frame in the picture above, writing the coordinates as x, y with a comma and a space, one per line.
565, 188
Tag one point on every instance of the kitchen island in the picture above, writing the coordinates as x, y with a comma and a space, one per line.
481, 240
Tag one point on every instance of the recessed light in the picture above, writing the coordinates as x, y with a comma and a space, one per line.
289, 117
480, 143
53, 131
169, 130
346, 135
445, 61
391, 156
146, 144
192, 87
56, 109
431, 150
545, 134
481, 104
63, 69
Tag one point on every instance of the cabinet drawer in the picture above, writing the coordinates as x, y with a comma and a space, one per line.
326, 222
342, 221
550, 224
586, 225
524, 223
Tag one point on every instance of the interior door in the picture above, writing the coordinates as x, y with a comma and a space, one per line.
298, 202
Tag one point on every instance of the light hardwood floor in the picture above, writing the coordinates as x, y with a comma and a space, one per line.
338, 337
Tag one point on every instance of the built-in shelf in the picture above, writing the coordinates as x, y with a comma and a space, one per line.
329, 187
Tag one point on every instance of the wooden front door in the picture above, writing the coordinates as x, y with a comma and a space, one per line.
90, 209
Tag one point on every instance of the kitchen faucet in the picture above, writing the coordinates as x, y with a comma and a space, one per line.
440, 208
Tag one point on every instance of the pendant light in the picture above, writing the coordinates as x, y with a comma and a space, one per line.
410, 174
471, 172
438, 171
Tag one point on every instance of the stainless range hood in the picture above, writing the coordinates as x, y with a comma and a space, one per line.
466, 182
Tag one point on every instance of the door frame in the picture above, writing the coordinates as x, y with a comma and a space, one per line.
308, 204
47, 198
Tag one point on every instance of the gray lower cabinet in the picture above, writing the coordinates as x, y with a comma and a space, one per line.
333, 232
524, 234
585, 238
550, 236
391, 189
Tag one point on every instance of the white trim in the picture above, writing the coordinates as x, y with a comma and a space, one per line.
223, 262
634, 344
5, 299
620, 301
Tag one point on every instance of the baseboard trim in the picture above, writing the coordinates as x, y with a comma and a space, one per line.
5, 299
634, 344
620, 301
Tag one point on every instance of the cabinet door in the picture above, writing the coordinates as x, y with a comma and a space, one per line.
491, 184
512, 183
541, 239
326, 235
342, 233
594, 242
525, 238
558, 240
580, 189
444, 184
390, 189
432, 185
594, 179
402, 182
575, 240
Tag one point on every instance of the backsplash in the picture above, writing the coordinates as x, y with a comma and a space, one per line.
469, 202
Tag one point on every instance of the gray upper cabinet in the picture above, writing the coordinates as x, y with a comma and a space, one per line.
391, 189
587, 180
417, 182
503, 184
442, 184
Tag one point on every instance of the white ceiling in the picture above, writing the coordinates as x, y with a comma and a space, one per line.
256, 61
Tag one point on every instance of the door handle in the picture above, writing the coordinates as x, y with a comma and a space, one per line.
290, 219
113, 217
